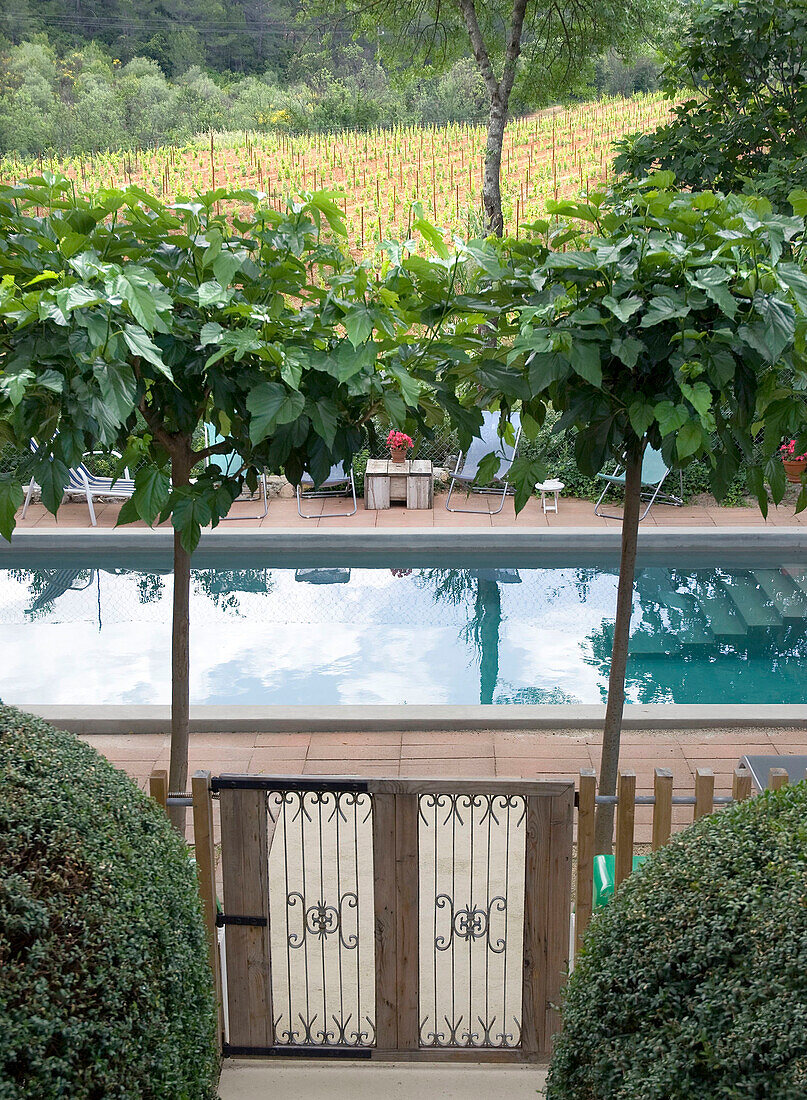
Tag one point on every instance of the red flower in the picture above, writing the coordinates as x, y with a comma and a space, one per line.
399, 439
788, 452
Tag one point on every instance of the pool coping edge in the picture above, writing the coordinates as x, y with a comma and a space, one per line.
130, 720
362, 539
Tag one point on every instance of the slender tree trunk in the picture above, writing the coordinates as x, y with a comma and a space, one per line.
499, 92
609, 762
180, 660
491, 186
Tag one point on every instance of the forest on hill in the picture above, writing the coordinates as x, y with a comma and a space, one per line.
89, 75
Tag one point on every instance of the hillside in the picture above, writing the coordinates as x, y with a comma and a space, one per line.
383, 173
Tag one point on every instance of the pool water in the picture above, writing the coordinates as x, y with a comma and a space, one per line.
89, 633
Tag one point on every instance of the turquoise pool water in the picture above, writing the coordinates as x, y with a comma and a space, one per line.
86, 632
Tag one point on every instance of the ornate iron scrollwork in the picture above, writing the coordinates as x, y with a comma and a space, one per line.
321, 920
471, 922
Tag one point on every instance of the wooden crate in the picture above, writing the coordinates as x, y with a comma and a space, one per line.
410, 483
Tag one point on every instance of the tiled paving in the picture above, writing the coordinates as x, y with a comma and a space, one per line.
573, 513
542, 755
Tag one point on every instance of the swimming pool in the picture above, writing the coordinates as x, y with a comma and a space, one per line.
265, 632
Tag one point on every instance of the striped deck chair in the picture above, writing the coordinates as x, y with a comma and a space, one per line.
83, 481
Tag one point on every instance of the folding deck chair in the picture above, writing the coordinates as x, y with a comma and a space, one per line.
230, 464
81, 480
489, 441
654, 473
339, 482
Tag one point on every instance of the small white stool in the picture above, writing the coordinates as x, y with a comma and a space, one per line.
552, 486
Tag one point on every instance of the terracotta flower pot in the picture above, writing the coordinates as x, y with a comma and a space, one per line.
398, 454
794, 468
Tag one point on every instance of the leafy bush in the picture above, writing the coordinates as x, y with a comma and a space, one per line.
740, 125
693, 981
105, 988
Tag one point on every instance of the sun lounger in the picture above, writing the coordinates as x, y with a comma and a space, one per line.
81, 480
231, 464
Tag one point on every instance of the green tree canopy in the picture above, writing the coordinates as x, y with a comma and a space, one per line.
673, 320
743, 123
128, 324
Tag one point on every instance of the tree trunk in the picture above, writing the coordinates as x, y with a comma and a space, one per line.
612, 729
180, 660
499, 92
491, 186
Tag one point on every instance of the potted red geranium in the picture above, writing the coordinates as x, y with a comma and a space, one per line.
399, 443
794, 464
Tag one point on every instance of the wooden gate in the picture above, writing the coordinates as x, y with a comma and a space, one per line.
394, 918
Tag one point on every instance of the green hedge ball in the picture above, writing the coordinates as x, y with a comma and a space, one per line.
692, 984
105, 986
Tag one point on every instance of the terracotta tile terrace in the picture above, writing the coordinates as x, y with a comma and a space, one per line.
572, 513
531, 754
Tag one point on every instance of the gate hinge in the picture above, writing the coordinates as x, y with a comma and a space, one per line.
227, 918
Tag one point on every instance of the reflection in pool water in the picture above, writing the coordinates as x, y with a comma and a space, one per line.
334, 635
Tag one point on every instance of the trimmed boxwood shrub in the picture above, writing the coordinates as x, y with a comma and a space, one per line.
105, 987
693, 982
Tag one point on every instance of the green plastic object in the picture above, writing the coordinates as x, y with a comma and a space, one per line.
604, 877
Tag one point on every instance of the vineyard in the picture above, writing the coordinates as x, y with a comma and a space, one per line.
381, 174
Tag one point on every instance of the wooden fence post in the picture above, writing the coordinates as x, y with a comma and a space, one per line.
625, 819
777, 778
205, 854
547, 913
245, 868
741, 785
396, 889
407, 919
158, 787
704, 792
662, 810
586, 808
386, 923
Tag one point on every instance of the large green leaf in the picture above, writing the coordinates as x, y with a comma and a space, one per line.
624, 308
699, 396
272, 404
688, 439
585, 357
152, 488
118, 388
15, 385
141, 344
359, 325
641, 415
325, 418
670, 417
796, 280
663, 307
11, 497
628, 350
190, 512
779, 324
139, 297
713, 282
51, 476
